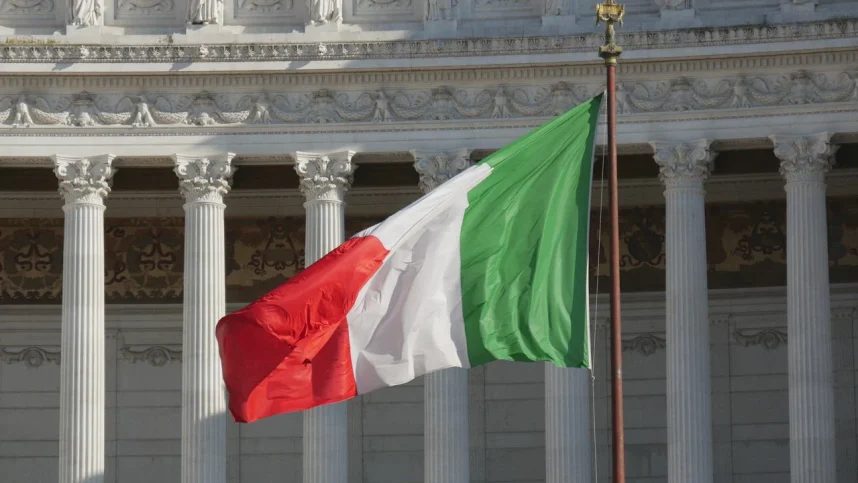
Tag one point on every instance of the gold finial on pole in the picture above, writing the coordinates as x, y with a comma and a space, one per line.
610, 13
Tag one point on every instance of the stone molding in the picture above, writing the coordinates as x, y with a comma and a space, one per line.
204, 178
84, 179
325, 177
805, 158
436, 167
34, 50
391, 108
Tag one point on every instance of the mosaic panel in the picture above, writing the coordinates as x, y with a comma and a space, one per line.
746, 247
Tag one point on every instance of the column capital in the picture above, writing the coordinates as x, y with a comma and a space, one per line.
325, 177
804, 158
683, 164
84, 179
436, 167
204, 178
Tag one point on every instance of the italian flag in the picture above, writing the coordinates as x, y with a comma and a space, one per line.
491, 265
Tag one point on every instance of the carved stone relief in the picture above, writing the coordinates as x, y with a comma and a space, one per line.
644, 344
768, 339
26, 8
144, 8
325, 106
30, 356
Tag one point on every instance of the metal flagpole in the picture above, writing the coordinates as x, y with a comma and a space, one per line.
611, 13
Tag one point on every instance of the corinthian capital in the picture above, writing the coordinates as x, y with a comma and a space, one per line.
84, 179
437, 167
204, 178
804, 158
683, 164
325, 177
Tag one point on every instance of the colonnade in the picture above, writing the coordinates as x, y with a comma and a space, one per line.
325, 178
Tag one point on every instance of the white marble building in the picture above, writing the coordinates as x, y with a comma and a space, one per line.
191, 138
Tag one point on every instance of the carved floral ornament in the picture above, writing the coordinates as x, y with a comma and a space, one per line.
768, 339
156, 355
325, 106
29, 356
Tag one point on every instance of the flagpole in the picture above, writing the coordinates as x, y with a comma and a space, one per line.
611, 13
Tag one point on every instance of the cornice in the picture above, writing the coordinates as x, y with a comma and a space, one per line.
34, 51
522, 73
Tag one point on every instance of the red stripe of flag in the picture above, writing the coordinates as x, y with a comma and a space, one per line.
289, 351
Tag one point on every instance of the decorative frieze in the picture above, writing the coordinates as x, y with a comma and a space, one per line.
27, 51
325, 106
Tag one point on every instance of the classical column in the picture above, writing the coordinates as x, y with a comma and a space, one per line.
445, 416
568, 425
83, 182
683, 169
325, 178
203, 181
804, 162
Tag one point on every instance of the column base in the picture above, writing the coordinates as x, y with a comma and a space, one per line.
683, 18
84, 35
558, 23
203, 33
437, 27
323, 27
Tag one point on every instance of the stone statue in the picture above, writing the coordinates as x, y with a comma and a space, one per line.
324, 11
439, 9
203, 12
85, 13
555, 7
672, 4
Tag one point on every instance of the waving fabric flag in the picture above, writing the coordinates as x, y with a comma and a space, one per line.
491, 265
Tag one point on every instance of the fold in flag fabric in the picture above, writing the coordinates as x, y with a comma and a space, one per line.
491, 265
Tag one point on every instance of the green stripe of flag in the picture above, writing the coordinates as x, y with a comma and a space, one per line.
524, 246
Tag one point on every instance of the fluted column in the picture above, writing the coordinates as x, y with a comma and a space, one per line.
203, 181
325, 178
683, 169
445, 416
83, 182
568, 425
804, 162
